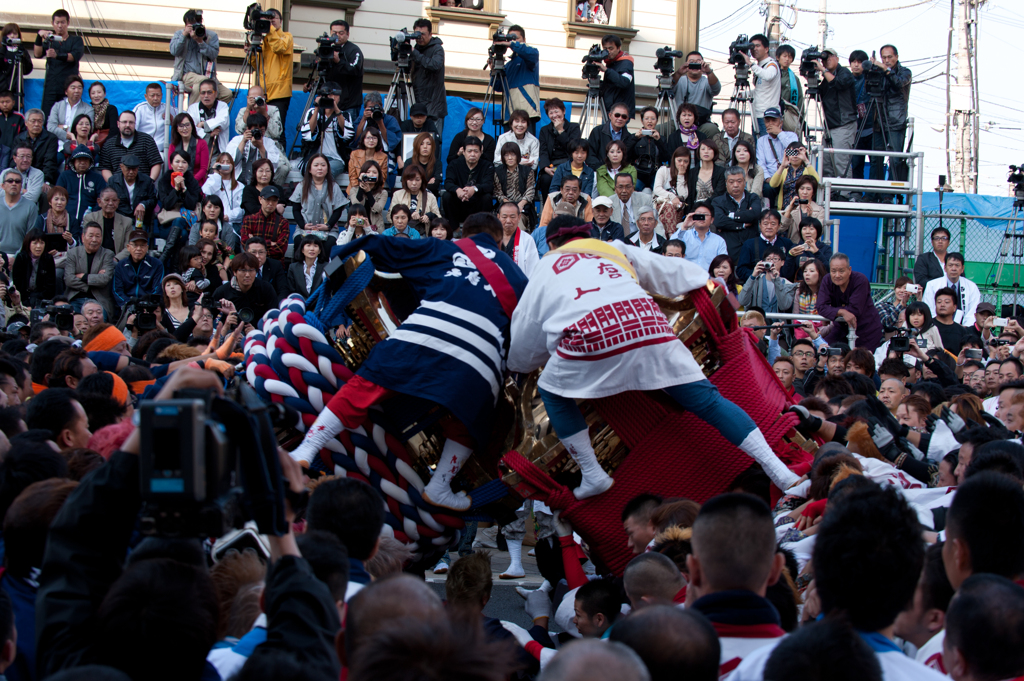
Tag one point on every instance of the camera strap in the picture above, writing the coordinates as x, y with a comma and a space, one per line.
492, 274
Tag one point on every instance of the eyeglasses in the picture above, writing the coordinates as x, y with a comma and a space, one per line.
940, 238
184, 125
476, 119
245, 271
803, 354
620, 115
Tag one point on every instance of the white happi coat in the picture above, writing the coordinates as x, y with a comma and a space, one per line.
595, 327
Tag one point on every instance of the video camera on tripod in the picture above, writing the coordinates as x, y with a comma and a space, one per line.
591, 59
401, 46
1016, 178
256, 22
665, 56
326, 46
874, 80
809, 60
738, 48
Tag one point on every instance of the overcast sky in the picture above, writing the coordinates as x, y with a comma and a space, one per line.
919, 31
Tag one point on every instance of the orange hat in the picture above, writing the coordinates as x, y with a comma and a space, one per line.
107, 340
120, 392
139, 387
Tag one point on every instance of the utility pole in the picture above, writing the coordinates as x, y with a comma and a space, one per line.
822, 23
964, 101
774, 24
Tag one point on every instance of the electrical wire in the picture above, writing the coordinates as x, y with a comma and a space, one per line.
864, 11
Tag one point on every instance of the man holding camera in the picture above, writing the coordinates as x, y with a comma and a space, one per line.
139, 274
523, 74
89, 269
702, 245
346, 70
211, 116
767, 81
327, 129
255, 144
754, 249
967, 295
428, 73
63, 54
618, 86
195, 51
277, 66
256, 103
736, 212
766, 288
391, 130
839, 102
697, 84
890, 124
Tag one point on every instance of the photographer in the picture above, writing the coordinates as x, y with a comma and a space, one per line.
140, 273
767, 80
346, 70
523, 74
256, 103
391, 131
857, 60
765, 287
251, 296
327, 130
255, 144
428, 74
20, 59
618, 86
277, 66
696, 84
838, 91
63, 54
890, 124
195, 51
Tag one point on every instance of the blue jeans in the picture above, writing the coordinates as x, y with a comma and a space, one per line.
701, 398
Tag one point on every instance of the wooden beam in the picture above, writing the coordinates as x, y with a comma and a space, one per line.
687, 25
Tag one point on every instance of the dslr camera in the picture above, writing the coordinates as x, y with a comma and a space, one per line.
208, 464
256, 20
665, 56
591, 59
257, 134
738, 48
197, 27
144, 308
401, 46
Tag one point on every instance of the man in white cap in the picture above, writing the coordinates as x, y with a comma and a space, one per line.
608, 228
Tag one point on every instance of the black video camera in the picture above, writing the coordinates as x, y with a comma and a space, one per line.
1016, 178
401, 44
208, 464
144, 310
197, 26
738, 48
874, 80
808, 59
326, 46
256, 20
497, 52
12, 44
61, 314
900, 341
665, 56
591, 59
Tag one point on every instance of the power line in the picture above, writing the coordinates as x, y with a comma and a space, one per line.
865, 11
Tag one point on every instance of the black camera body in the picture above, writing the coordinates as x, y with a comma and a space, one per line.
326, 46
61, 314
738, 48
401, 45
376, 112
808, 59
1016, 178
497, 52
256, 20
665, 56
257, 134
591, 60
874, 80
144, 309
197, 27
208, 464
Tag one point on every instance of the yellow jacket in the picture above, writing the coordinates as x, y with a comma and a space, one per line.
278, 47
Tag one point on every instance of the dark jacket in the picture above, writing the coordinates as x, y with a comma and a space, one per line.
895, 98
598, 142
144, 193
634, 240
82, 193
839, 98
428, 77
132, 281
44, 153
46, 277
460, 175
184, 330
717, 181
59, 68
297, 278
348, 75
11, 125
736, 222
489, 146
753, 253
273, 273
647, 156
171, 199
259, 298
618, 84
610, 232
927, 268
793, 262
856, 299
676, 140
554, 146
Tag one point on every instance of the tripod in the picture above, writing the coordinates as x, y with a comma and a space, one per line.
666, 104
594, 113
258, 69
741, 97
16, 83
314, 84
400, 93
1012, 246
498, 84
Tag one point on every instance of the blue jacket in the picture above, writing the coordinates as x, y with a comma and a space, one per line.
587, 178
131, 281
83, 191
523, 74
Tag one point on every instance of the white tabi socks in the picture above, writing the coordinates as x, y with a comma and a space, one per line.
439, 490
595, 480
515, 553
324, 429
757, 447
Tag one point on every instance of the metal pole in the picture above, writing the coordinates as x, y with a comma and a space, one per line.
851, 338
919, 212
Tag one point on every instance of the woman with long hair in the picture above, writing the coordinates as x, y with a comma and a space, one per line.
425, 158
367, 189
918, 318
514, 183
808, 278
317, 205
474, 126
615, 162
722, 266
672, 189
707, 178
178, 317
104, 114
213, 261
686, 133
183, 136
744, 156
34, 272
82, 130
358, 224
222, 184
793, 165
263, 176
421, 202
369, 149
801, 206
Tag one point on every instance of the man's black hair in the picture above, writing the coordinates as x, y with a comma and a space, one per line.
936, 591
52, 409
13, 346
255, 120
351, 510
834, 386
37, 331
987, 514
158, 620
182, 550
9, 420
613, 39
985, 623
676, 242
946, 291
642, 504
769, 212
999, 456
735, 538
937, 230
600, 596
423, 23
932, 391
861, 56
14, 369
329, 559
979, 435
673, 643
774, 250
341, 22
868, 556
25, 463
255, 240
827, 649
859, 383
43, 356
894, 367
785, 49
101, 410
954, 255
753, 481
783, 598
760, 37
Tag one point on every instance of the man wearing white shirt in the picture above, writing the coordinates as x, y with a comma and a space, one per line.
967, 294
517, 245
151, 117
210, 116
645, 237
701, 245
767, 81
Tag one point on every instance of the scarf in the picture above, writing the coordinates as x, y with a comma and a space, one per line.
690, 135
54, 226
100, 113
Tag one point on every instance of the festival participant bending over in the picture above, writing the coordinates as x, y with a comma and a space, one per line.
587, 316
450, 350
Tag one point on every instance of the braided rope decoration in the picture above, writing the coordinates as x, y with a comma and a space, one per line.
289, 360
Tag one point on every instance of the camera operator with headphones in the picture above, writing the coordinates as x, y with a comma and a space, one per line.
346, 70
327, 129
891, 122
696, 83
618, 86
522, 72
